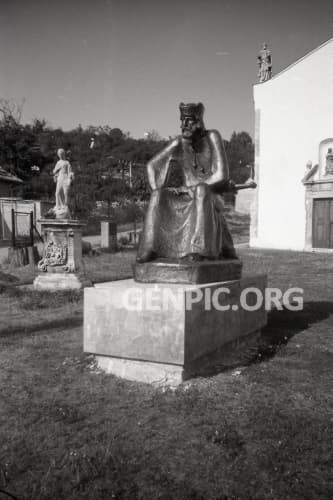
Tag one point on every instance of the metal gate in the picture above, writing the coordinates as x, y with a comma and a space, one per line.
22, 233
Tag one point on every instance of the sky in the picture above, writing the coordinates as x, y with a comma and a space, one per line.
128, 64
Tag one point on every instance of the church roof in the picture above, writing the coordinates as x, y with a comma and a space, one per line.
8, 177
330, 40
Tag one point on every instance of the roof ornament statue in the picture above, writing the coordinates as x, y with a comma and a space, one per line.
329, 162
265, 64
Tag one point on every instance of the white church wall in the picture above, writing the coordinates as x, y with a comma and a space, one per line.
244, 200
295, 111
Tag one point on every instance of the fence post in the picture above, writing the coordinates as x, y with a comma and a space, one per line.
13, 228
31, 229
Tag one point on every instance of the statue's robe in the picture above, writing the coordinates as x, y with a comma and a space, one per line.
185, 215
265, 65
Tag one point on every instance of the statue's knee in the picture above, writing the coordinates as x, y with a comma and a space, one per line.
155, 197
201, 190
155, 194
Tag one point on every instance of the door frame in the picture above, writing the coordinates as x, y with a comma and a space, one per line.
319, 189
330, 201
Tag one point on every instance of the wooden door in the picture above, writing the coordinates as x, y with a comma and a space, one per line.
322, 223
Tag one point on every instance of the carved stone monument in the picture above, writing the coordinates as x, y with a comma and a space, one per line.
183, 311
61, 266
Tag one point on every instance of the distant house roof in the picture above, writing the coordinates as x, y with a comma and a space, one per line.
8, 177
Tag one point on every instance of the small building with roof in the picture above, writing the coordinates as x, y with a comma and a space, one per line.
8, 183
11, 201
293, 203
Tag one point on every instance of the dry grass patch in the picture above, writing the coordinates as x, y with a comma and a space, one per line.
28, 310
261, 432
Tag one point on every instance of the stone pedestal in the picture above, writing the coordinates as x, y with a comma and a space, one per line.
108, 236
166, 333
61, 266
166, 271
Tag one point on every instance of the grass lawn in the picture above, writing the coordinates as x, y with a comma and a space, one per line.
261, 431
103, 267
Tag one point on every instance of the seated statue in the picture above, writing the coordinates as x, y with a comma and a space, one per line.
184, 220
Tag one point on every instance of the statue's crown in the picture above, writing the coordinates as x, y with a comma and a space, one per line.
191, 109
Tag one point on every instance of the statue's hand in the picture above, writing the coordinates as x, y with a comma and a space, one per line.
225, 186
251, 183
231, 185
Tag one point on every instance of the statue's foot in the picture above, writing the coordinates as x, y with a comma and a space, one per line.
192, 257
62, 213
145, 257
50, 214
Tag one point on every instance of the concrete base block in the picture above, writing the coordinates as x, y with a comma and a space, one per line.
157, 374
60, 281
174, 331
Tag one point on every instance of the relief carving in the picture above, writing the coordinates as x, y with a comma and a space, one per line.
55, 255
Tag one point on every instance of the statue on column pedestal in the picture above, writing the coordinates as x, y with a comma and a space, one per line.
61, 266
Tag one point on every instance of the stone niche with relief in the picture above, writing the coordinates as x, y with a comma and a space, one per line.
318, 182
61, 266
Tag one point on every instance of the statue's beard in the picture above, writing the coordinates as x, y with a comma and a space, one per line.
187, 133
193, 134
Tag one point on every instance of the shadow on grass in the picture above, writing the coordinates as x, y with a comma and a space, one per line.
48, 326
283, 325
5, 279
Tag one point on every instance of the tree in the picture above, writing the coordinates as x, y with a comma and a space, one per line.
11, 112
240, 153
153, 135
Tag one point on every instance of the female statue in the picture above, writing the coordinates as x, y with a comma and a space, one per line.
63, 176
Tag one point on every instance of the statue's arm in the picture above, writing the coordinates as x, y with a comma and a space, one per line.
220, 169
56, 168
157, 167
